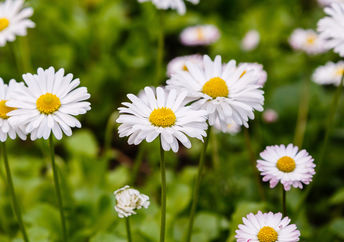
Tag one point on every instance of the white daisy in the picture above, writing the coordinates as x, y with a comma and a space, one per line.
250, 40
162, 114
331, 73
14, 20
178, 5
200, 35
270, 116
307, 40
267, 227
179, 63
286, 165
48, 104
331, 28
329, 2
128, 200
6, 129
231, 128
222, 91
258, 71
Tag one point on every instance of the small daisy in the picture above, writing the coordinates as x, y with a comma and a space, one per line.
223, 92
14, 20
200, 35
267, 227
128, 200
250, 40
331, 73
231, 128
48, 104
178, 5
179, 63
258, 71
286, 165
270, 116
329, 2
307, 40
331, 28
161, 114
6, 129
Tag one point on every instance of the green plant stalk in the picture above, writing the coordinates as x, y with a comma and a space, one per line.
163, 193
127, 226
138, 162
196, 188
215, 151
58, 189
13, 194
160, 50
284, 201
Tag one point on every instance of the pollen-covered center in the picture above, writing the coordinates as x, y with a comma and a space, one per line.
4, 22
267, 234
162, 117
200, 34
185, 68
311, 39
340, 71
286, 164
215, 87
48, 103
5, 109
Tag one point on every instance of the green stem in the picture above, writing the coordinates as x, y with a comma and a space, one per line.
13, 194
127, 225
196, 188
163, 193
160, 51
284, 201
137, 163
215, 151
58, 189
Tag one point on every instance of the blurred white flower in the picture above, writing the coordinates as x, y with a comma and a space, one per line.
162, 113
223, 92
270, 116
331, 28
14, 20
331, 73
250, 40
231, 128
128, 200
48, 104
287, 165
329, 2
179, 63
199, 35
307, 40
178, 5
267, 227
258, 71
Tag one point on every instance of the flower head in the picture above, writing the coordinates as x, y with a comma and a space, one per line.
164, 114
231, 128
250, 40
178, 5
266, 227
329, 2
223, 92
128, 200
331, 73
179, 63
307, 40
48, 104
331, 28
14, 20
270, 116
258, 71
200, 35
287, 165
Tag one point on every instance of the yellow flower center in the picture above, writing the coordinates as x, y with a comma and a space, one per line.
215, 87
267, 234
311, 39
200, 34
185, 68
4, 22
48, 103
286, 164
5, 109
340, 71
162, 117
243, 73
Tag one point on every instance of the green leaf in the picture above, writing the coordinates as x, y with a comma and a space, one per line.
338, 197
337, 227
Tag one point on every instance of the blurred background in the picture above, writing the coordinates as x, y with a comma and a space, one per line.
111, 45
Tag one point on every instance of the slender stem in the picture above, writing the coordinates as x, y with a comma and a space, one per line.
215, 151
127, 225
163, 193
58, 189
160, 51
196, 188
13, 194
137, 163
284, 200
253, 161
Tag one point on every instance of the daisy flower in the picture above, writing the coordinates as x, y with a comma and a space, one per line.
307, 40
128, 200
331, 73
178, 5
270, 116
250, 40
179, 63
14, 20
223, 92
258, 71
331, 28
231, 128
267, 227
48, 104
164, 114
6, 129
329, 2
199, 35
287, 165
